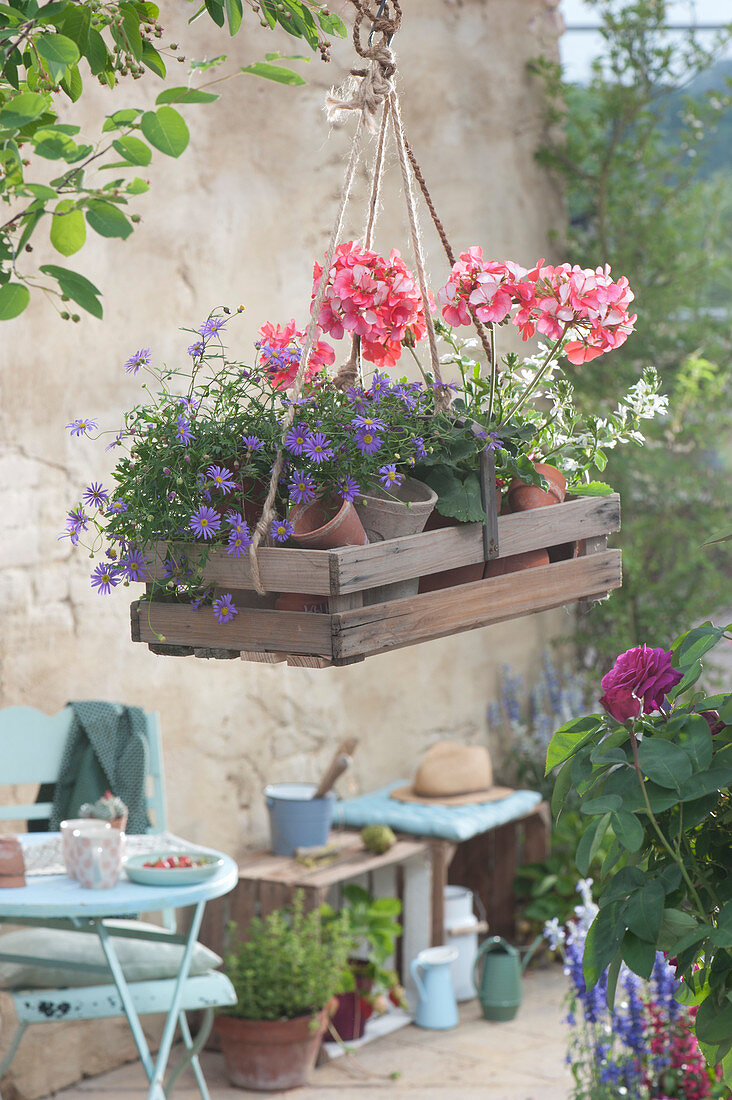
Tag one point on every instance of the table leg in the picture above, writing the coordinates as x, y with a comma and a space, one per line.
155, 1071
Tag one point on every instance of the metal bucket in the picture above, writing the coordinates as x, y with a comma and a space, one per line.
296, 819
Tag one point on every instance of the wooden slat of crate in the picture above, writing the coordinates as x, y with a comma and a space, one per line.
279, 568
386, 626
281, 631
359, 567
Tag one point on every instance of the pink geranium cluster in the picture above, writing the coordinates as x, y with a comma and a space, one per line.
587, 305
371, 297
280, 350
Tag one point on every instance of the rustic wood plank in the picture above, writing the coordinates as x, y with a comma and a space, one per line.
386, 626
359, 567
361, 862
280, 568
293, 661
281, 631
442, 853
536, 835
261, 657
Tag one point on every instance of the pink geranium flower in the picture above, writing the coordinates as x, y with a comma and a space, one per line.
280, 350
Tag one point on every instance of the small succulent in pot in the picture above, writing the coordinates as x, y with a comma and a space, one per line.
109, 807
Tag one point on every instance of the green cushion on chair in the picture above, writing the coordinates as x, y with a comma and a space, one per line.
141, 960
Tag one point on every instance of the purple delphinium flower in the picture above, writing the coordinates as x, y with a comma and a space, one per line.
380, 386
281, 529
194, 350
389, 477
296, 438
252, 442
367, 442
183, 430
224, 609
318, 447
95, 495
134, 566
301, 487
212, 326
221, 478
104, 577
372, 423
348, 488
141, 358
205, 522
82, 427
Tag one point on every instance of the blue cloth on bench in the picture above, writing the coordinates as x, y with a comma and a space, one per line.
448, 822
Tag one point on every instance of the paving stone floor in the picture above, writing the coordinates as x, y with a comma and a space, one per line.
520, 1060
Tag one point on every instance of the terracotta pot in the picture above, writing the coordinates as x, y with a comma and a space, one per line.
325, 524
463, 574
270, 1055
301, 601
390, 514
12, 864
523, 497
349, 1019
120, 822
567, 551
530, 559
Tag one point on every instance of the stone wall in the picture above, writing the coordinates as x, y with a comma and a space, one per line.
239, 219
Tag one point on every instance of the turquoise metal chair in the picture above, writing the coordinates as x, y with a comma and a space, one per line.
31, 749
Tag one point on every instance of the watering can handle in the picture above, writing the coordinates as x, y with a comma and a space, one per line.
415, 970
485, 948
531, 951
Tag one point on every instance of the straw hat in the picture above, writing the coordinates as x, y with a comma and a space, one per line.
453, 775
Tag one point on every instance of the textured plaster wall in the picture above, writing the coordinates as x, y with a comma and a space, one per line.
239, 219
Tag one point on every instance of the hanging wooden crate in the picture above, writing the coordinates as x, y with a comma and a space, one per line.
353, 628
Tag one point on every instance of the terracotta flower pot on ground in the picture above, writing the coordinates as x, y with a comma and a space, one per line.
523, 497
530, 559
270, 1055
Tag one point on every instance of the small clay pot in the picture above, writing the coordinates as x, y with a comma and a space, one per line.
301, 601
523, 497
389, 514
449, 578
12, 864
326, 524
530, 559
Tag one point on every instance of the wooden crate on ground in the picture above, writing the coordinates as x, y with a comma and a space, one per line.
353, 628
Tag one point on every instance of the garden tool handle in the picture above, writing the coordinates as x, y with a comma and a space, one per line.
340, 762
484, 949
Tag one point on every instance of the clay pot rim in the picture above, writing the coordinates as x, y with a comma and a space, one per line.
423, 495
228, 1024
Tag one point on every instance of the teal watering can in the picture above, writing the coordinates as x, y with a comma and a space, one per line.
436, 1007
499, 983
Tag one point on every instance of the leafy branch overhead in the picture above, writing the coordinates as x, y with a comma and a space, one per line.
47, 52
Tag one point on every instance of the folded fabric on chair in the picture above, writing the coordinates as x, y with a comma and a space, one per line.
106, 750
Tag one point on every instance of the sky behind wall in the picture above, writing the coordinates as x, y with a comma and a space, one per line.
578, 48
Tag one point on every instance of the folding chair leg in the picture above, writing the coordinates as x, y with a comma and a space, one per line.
193, 1048
20, 1032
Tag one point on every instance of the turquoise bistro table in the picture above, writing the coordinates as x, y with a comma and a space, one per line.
53, 898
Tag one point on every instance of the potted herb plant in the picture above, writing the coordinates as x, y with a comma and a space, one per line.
284, 973
374, 928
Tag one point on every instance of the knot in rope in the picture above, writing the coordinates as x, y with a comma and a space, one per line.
369, 88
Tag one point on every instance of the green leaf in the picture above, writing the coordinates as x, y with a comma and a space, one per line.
14, 297
664, 763
562, 784
675, 924
628, 830
639, 955
216, 11
119, 119
68, 231
234, 15
58, 52
72, 83
690, 677
137, 186
22, 109
152, 60
166, 130
645, 910
40, 191
53, 144
589, 845
133, 149
76, 287
331, 24
717, 778
603, 939
692, 645
625, 882
569, 738
695, 739
593, 489
722, 934
713, 1023
274, 72
185, 95
602, 804
107, 220
613, 971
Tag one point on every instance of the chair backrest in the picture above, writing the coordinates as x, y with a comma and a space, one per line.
31, 750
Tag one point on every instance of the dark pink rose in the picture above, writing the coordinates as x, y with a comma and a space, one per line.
638, 682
